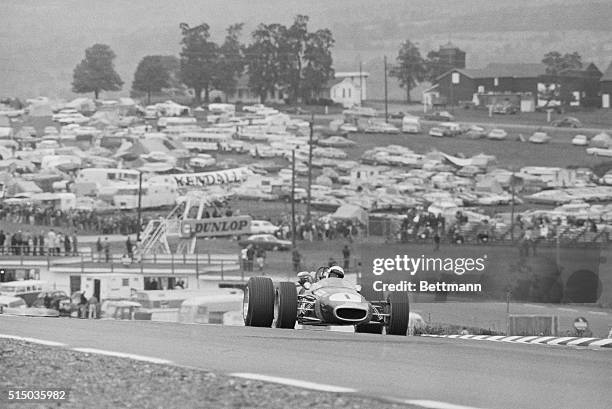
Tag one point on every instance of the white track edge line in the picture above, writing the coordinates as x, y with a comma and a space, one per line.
124, 355
432, 404
293, 382
33, 340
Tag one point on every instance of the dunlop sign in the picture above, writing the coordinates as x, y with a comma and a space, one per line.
221, 177
216, 226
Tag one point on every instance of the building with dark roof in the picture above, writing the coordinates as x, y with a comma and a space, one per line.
530, 80
605, 86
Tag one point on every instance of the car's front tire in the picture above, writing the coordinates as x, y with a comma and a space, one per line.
399, 313
258, 302
285, 305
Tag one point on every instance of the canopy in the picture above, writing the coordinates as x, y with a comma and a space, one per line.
351, 212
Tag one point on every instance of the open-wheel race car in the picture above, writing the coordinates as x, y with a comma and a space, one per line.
320, 301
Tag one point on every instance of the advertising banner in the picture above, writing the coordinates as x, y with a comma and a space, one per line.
203, 179
216, 226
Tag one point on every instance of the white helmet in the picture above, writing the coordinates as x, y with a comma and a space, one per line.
335, 271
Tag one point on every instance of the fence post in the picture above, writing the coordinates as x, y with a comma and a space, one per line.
208, 257
172, 261
222, 269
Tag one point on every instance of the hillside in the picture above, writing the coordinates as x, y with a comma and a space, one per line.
41, 42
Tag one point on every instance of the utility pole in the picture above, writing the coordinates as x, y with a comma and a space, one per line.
293, 230
360, 83
512, 208
309, 168
386, 102
139, 206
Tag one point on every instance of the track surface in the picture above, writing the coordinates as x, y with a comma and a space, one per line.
463, 372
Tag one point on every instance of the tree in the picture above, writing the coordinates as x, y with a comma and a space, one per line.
410, 69
263, 59
556, 64
151, 76
289, 58
96, 72
199, 58
434, 66
231, 61
318, 58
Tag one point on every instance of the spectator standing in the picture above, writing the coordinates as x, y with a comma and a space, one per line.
296, 257
106, 250
92, 307
83, 306
75, 244
129, 248
99, 248
260, 254
67, 245
436, 240
250, 257
2, 240
41, 243
243, 258
346, 255
34, 244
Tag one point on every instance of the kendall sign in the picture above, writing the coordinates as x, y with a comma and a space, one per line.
216, 226
221, 177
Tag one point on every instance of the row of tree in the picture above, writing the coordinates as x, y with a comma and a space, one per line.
411, 68
291, 60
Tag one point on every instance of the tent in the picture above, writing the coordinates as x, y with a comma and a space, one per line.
351, 212
601, 140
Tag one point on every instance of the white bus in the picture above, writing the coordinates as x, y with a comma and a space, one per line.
207, 140
154, 195
106, 176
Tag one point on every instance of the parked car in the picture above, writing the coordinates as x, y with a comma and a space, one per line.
497, 134
263, 227
444, 116
439, 132
580, 140
380, 127
505, 109
476, 132
266, 241
567, 122
539, 137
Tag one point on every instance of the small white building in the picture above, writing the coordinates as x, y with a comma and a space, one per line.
351, 89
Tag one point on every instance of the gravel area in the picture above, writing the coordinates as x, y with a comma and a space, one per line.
96, 381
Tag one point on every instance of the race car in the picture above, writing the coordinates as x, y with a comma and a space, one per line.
321, 301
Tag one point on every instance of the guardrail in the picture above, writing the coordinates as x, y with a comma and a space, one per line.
23, 257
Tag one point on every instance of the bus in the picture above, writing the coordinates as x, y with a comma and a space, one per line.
106, 176
208, 140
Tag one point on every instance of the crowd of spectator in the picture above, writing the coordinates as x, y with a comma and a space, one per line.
116, 222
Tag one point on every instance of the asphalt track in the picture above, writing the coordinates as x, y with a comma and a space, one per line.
475, 374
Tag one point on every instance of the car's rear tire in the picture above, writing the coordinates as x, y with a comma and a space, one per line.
368, 328
258, 302
285, 305
399, 313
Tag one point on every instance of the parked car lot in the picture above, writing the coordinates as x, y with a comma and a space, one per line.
266, 241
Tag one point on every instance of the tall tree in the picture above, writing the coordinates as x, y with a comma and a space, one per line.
434, 66
410, 68
96, 72
263, 59
151, 76
231, 61
318, 58
556, 64
292, 50
199, 58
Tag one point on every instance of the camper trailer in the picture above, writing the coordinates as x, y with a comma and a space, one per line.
202, 310
411, 124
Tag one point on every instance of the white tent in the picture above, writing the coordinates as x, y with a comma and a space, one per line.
601, 140
351, 212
